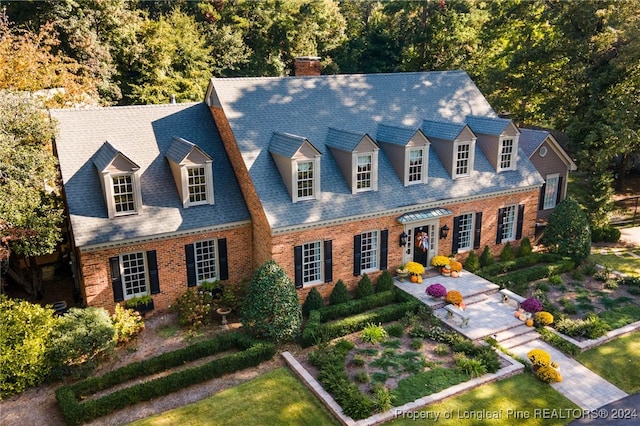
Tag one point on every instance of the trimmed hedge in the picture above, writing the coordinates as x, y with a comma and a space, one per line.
356, 314
252, 353
519, 263
523, 276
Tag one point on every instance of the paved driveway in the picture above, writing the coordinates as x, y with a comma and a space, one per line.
631, 235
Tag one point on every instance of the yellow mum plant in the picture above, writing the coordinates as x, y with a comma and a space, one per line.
539, 358
414, 268
439, 261
543, 318
454, 297
455, 265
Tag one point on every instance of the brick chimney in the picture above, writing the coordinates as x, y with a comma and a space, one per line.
307, 65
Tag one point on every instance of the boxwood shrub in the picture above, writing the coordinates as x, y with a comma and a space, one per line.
251, 353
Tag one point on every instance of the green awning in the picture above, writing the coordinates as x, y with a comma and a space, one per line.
422, 215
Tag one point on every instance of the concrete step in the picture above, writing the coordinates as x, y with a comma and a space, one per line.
520, 339
476, 298
512, 332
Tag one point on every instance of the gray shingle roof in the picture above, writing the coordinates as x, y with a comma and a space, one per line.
179, 149
144, 134
308, 106
531, 139
286, 144
487, 125
397, 135
447, 131
343, 139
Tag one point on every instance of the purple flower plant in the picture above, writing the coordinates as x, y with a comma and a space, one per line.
436, 290
531, 305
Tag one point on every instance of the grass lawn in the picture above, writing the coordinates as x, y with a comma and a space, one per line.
275, 398
510, 401
617, 362
627, 264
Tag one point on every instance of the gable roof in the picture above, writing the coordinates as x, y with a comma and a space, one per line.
287, 145
442, 130
397, 135
345, 140
107, 154
180, 149
308, 106
532, 139
488, 125
145, 133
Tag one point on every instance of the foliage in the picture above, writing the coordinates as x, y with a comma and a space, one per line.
271, 308
426, 383
470, 366
382, 400
507, 253
394, 330
525, 248
439, 261
455, 265
355, 306
25, 338
137, 301
194, 308
436, 290
567, 232
590, 327
531, 305
313, 301
558, 342
81, 336
548, 374
486, 258
384, 282
607, 234
539, 357
373, 333
339, 294
472, 263
543, 318
454, 297
127, 324
364, 287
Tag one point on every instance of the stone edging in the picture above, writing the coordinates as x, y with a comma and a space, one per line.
513, 368
611, 335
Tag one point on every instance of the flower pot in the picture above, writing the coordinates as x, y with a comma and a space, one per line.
402, 275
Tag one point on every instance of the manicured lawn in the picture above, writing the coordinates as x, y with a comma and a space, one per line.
617, 362
627, 265
509, 401
275, 398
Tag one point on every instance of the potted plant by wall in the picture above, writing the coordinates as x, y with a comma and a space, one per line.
416, 270
439, 261
437, 291
142, 304
402, 272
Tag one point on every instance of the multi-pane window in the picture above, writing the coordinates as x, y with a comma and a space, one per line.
550, 192
197, 185
365, 165
123, 194
416, 159
311, 262
133, 273
465, 232
506, 154
305, 179
369, 251
463, 157
205, 259
508, 223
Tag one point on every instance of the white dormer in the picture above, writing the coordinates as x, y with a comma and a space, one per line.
357, 157
120, 181
455, 145
408, 151
298, 162
192, 171
498, 139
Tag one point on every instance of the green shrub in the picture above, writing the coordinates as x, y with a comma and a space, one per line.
194, 308
373, 333
472, 263
25, 337
416, 343
358, 361
441, 349
364, 288
384, 282
470, 366
567, 231
629, 281
555, 280
558, 342
127, 324
486, 257
507, 253
569, 307
313, 301
271, 308
607, 234
591, 327
81, 336
633, 291
382, 400
357, 306
395, 330
525, 248
339, 294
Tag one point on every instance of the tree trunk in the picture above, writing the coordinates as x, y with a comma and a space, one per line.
36, 278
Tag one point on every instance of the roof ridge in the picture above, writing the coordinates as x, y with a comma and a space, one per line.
380, 74
113, 107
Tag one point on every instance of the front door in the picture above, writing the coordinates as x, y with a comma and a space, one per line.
421, 245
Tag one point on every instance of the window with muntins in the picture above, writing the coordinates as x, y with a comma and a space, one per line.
365, 166
205, 260
463, 158
123, 196
416, 159
506, 154
465, 233
134, 275
369, 251
551, 192
312, 262
197, 184
508, 223
305, 179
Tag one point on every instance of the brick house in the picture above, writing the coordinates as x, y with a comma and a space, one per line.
330, 176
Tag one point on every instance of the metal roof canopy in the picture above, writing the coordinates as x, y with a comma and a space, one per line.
424, 215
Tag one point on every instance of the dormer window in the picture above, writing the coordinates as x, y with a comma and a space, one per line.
416, 165
192, 170
498, 139
455, 145
357, 158
365, 167
463, 159
408, 151
119, 181
298, 162
506, 154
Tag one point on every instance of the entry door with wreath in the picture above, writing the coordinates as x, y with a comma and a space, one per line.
422, 245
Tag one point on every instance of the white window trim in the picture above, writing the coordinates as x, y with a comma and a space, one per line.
374, 171
377, 252
217, 260
122, 275
316, 179
454, 168
514, 152
208, 176
425, 162
471, 233
320, 280
110, 194
514, 224
552, 203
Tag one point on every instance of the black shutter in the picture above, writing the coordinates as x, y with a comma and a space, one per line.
152, 266
223, 261
520, 221
456, 234
190, 257
478, 231
559, 190
297, 261
543, 188
116, 280
500, 222
384, 244
357, 254
328, 261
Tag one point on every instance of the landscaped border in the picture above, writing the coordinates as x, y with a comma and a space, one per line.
250, 353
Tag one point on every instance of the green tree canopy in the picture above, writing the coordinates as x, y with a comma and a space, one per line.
567, 232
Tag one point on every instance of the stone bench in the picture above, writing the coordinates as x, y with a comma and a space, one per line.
454, 310
509, 295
